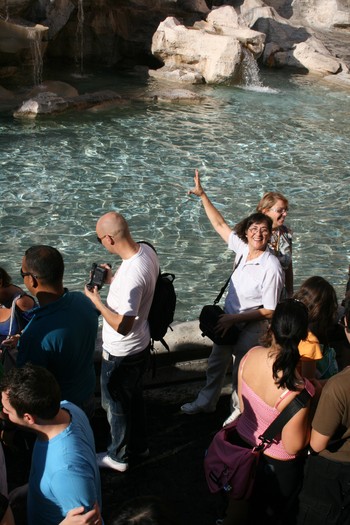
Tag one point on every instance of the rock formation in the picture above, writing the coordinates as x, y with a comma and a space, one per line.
213, 49
210, 51
189, 41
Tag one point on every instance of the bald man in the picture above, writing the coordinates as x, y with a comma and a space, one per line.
126, 339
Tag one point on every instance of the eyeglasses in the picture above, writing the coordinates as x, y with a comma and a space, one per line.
100, 239
280, 210
26, 274
253, 230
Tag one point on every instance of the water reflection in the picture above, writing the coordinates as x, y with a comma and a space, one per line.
58, 175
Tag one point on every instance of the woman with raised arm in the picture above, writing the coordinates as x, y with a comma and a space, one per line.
268, 380
254, 290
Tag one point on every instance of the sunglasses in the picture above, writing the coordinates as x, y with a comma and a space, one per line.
26, 274
100, 239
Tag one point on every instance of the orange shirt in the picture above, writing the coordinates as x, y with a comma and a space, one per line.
310, 349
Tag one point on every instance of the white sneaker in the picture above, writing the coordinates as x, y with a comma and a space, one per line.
104, 461
193, 408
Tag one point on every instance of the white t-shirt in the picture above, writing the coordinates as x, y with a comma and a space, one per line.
254, 283
131, 294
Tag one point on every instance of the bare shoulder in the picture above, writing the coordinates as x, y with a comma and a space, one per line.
254, 357
25, 302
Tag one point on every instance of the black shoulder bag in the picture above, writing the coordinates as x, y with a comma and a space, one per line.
210, 315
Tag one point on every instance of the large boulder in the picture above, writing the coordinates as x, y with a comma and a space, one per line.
309, 56
48, 103
288, 44
212, 49
320, 13
16, 36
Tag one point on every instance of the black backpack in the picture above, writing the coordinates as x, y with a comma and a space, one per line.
162, 310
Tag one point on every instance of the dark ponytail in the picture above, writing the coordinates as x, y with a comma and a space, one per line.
289, 326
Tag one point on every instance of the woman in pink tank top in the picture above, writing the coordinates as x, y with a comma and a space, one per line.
268, 381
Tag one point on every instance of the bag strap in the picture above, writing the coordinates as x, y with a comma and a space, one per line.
226, 283
299, 402
153, 248
13, 312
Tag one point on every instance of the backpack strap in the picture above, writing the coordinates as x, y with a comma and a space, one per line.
13, 312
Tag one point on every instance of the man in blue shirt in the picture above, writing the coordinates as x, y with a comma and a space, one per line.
64, 473
62, 334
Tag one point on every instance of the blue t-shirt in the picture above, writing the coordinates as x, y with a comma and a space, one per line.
64, 472
61, 337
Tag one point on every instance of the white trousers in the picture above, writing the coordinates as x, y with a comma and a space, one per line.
219, 361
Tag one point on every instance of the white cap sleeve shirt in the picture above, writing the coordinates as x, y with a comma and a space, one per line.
254, 283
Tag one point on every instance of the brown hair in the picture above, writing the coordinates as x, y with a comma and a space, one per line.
5, 278
320, 298
255, 218
268, 200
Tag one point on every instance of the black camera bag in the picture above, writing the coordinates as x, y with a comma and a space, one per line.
210, 315
208, 319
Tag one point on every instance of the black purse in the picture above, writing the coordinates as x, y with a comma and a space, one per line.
209, 318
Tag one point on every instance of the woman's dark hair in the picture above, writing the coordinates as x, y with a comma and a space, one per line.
147, 510
5, 278
320, 299
289, 326
255, 218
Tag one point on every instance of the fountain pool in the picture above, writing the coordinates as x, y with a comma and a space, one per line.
59, 174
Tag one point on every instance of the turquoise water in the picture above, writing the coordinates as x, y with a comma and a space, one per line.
59, 174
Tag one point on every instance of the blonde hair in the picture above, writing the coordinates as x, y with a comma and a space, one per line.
269, 200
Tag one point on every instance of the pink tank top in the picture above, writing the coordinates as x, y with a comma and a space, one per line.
258, 415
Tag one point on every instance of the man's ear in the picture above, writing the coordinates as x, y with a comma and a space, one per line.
33, 281
29, 419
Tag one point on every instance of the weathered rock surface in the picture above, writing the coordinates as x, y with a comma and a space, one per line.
317, 13
59, 88
288, 44
53, 98
115, 32
212, 49
47, 103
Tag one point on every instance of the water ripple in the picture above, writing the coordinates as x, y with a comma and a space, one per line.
59, 175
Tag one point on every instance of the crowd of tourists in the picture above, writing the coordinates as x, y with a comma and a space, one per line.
290, 341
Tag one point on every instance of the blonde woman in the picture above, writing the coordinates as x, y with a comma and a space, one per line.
276, 206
